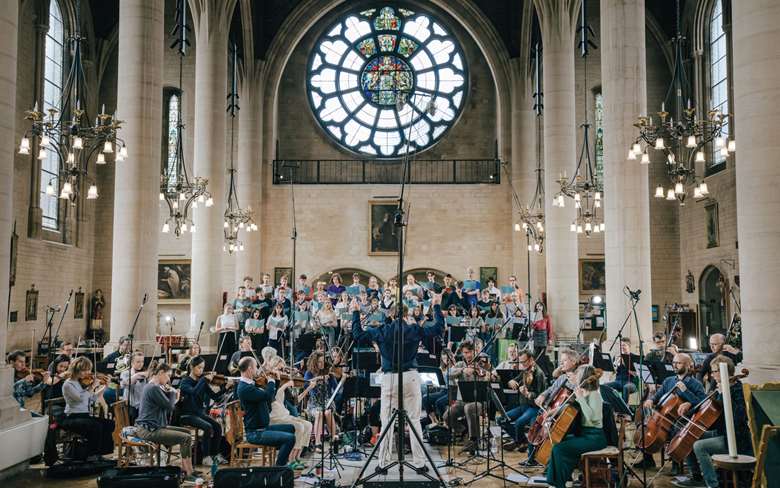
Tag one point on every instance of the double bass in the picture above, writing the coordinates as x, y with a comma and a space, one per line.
707, 413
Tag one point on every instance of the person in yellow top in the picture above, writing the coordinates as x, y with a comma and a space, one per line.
566, 454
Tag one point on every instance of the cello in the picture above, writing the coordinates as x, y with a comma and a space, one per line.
707, 413
660, 423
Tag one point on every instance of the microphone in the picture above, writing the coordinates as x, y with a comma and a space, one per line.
145, 297
634, 293
56, 308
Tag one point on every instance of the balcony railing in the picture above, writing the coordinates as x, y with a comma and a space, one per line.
379, 172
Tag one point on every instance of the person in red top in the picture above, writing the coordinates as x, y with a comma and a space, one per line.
541, 328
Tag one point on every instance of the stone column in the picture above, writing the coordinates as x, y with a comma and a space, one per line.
626, 187
558, 19
9, 32
250, 163
524, 157
756, 30
137, 179
212, 23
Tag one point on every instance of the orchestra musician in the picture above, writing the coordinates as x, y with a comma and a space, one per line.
196, 393
385, 336
530, 383
132, 382
26, 384
626, 378
59, 368
436, 399
511, 361
280, 413
184, 360
470, 368
718, 347
244, 346
714, 441
255, 402
320, 385
122, 348
81, 391
565, 456
158, 401
661, 352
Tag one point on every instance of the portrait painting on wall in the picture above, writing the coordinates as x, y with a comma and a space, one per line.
279, 272
712, 224
488, 273
31, 304
174, 277
383, 238
592, 275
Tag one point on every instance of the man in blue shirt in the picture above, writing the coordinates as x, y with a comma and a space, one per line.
687, 386
256, 403
386, 338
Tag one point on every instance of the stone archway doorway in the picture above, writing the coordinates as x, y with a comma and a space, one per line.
712, 304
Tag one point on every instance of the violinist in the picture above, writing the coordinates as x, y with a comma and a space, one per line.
196, 392
122, 348
511, 361
718, 347
436, 399
529, 384
81, 391
158, 401
255, 402
132, 382
714, 441
59, 368
566, 454
468, 369
661, 353
184, 360
626, 378
320, 385
26, 381
281, 415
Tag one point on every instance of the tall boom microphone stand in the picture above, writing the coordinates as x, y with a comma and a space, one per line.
53, 338
400, 414
293, 279
131, 336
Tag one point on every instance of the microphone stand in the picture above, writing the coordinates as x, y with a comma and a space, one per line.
131, 337
57, 332
293, 279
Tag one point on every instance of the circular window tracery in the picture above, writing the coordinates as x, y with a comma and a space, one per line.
386, 81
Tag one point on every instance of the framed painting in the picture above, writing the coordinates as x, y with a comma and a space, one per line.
383, 234
279, 272
31, 305
174, 279
488, 273
712, 225
592, 275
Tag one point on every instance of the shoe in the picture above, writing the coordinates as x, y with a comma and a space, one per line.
510, 446
690, 483
207, 461
530, 463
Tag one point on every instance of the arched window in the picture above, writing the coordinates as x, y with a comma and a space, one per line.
718, 77
52, 97
385, 81
172, 113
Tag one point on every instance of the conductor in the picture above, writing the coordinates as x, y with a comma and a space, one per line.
385, 336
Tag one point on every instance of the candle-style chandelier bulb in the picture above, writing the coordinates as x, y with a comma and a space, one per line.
24, 146
659, 192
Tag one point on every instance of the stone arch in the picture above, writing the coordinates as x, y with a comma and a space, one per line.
346, 275
420, 274
308, 13
712, 302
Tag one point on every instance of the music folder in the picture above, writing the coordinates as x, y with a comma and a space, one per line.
603, 361
647, 375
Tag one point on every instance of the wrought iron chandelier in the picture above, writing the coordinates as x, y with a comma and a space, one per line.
682, 138
176, 189
69, 131
532, 215
583, 186
236, 218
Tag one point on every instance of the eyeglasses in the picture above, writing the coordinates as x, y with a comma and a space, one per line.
678, 362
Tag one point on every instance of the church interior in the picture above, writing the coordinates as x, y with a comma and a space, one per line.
532, 241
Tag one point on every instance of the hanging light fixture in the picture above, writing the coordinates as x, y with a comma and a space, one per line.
176, 189
583, 187
532, 215
70, 133
236, 218
682, 138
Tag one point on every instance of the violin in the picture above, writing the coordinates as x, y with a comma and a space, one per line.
90, 379
37, 373
707, 413
217, 379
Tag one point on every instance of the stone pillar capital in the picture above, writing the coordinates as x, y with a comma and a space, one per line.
211, 17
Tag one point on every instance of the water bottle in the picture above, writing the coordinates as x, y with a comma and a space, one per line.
214, 466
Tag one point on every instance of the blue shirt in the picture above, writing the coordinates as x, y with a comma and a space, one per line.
693, 394
385, 336
256, 402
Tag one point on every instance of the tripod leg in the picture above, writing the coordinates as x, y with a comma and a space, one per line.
425, 452
388, 428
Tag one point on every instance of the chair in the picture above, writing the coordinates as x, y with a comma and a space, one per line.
242, 451
128, 445
185, 421
597, 465
62, 443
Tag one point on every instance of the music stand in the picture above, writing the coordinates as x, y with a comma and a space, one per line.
366, 358
457, 333
333, 460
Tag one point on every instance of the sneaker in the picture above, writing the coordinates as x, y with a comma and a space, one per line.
207, 461
530, 463
221, 459
689, 483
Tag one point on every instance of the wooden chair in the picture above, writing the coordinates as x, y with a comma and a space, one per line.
241, 451
597, 465
127, 447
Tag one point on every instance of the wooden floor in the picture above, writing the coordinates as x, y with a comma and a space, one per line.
344, 476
